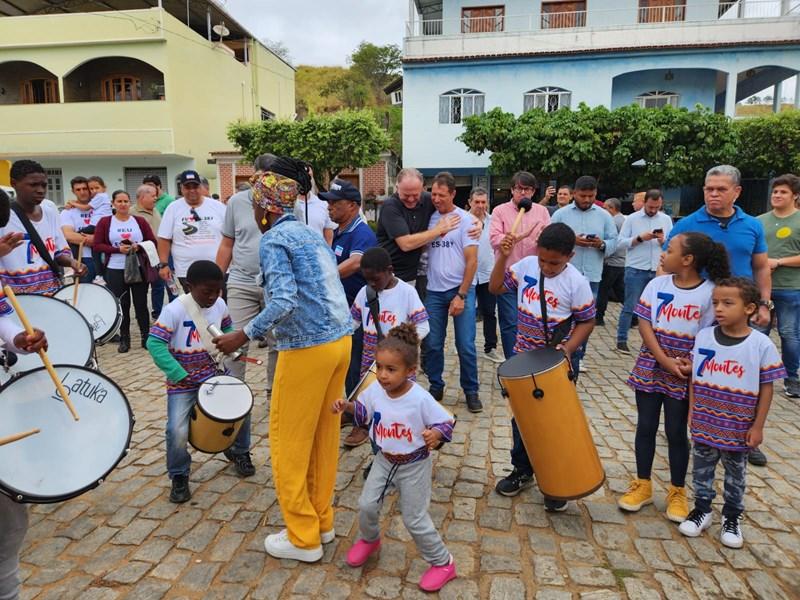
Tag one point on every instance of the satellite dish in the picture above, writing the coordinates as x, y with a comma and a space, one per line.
221, 30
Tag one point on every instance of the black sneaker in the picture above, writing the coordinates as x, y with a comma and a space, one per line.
514, 483
180, 492
437, 393
551, 505
144, 339
757, 458
599, 322
474, 404
622, 348
241, 462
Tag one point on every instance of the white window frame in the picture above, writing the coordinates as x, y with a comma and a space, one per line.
658, 99
457, 104
397, 97
55, 186
548, 98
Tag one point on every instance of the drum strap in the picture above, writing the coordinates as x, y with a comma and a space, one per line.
561, 330
202, 326
374, 309
36, 240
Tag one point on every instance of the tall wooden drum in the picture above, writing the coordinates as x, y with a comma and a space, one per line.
552, 423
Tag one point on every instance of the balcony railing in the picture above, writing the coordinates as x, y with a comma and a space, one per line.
706, 12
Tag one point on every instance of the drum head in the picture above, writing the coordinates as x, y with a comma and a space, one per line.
69, 338
98, 305
225, 398
531, 362
68, 457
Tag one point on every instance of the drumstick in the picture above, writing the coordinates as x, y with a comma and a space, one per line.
252, 361
77, 277
18, 436
42, 354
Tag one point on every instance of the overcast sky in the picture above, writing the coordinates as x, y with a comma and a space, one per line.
322, 32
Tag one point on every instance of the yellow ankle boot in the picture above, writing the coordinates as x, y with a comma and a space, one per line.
677, 505
640, 492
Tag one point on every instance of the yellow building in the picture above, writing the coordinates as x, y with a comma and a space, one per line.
125, 93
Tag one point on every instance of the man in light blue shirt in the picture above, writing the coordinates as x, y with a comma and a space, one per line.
595, 235
642, 234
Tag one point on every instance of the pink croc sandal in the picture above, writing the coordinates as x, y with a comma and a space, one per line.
435, 578
361, 551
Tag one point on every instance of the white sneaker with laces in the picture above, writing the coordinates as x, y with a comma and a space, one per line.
99, 281
279, 546
731, 533
493, 356
695, 523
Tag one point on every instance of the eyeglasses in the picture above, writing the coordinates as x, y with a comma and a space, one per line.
523, 190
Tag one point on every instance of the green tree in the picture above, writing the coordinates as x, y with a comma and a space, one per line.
677, 145
351, 89
378, 65
769, 145
331, 143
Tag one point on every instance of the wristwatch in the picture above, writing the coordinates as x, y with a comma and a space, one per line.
462, 296
160, 266
768, 303
603, 247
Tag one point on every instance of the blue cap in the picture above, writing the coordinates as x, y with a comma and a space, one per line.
341, 189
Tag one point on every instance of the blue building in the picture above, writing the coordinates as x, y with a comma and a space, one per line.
464, 57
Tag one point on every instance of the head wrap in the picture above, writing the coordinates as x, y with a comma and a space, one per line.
278, 187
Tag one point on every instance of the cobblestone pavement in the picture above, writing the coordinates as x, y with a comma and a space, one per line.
125, 540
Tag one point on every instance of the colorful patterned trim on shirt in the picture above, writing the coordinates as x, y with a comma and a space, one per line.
418, 316
41, 281
648, 376
644, 310
530, 330
510, 281
721, 416
199, 365
360, 414
161, 332
587, 312
368, 351
771, 373
404, 459
446, 429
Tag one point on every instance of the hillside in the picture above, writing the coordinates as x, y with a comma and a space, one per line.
308, 83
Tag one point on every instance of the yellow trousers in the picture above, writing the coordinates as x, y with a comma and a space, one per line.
304, 436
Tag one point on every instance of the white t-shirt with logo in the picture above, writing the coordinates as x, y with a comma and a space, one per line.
397, 423
22, 268
726, 381
568, 294
195, 236
77, 219
676, 314
122, 230
446, 262
400, 304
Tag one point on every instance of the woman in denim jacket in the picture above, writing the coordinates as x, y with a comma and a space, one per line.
307, 311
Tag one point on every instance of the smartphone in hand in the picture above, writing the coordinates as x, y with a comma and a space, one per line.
657, 231
591, 236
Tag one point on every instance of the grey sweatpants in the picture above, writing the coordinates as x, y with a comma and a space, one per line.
13, 525
413, 482
244, 303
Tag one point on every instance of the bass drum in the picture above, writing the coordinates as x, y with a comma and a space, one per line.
69, 337
66, 458
98, 305
552, 423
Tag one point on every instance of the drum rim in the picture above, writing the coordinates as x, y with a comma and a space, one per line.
12, 492
93, 342
216, 418
101, 340
542, 372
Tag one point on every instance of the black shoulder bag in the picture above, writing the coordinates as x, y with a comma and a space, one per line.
374, 310
36, 240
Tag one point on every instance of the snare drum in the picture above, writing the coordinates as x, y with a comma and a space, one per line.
69, 337
552, 424
223, 403
67, 457
100, 307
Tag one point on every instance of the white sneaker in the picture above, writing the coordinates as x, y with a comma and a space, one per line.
582, 368
99, 281
695, 523
279, 546
493, 356
731, 533
326, 537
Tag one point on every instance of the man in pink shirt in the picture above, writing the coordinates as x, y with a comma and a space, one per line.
523, 185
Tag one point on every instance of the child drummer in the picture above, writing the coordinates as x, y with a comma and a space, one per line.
570, 312
177, 349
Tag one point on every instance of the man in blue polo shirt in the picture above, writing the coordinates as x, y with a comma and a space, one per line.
352, 238
743, 237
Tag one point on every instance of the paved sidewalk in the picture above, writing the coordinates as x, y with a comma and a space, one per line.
125, 540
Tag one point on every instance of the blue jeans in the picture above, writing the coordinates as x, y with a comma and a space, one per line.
787, 314
437, 305
91, 271
157, 295
487, 307
580, 352
507, 314
635, 282
179, 409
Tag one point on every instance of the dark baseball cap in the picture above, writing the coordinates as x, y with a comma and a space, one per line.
341, 189
189, 177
